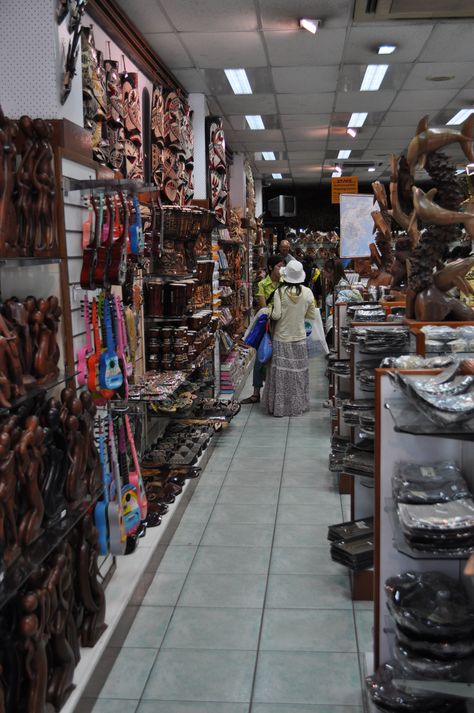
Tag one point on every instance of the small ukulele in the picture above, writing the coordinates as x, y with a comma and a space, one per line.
118, 250
89, 259
135, 476
120, 346
130, 506
85, 351
101, 273
101, 518
117, 533
110, 374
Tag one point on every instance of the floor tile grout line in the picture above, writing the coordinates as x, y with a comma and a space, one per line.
184, 581
260, 632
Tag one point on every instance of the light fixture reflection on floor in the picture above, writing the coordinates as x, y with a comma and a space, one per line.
310, 25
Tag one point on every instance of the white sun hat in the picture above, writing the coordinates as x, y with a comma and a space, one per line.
293, 272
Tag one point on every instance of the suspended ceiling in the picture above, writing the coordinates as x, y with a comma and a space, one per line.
306, 86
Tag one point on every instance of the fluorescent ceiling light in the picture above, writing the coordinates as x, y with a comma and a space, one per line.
255, 121
238, 80
371, 168
310, 25
470, 169
336, 174
387, 49
344, 153
460, 117
373, 77
268, 156
459, 171
352, 132
277, 175
357, 119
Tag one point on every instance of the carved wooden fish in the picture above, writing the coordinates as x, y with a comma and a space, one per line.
427, 140
430, 212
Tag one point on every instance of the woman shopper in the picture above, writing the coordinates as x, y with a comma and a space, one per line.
265, 292
286, 391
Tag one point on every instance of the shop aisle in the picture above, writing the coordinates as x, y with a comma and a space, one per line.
246, 613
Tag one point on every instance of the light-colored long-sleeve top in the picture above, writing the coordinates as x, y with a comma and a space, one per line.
289, 312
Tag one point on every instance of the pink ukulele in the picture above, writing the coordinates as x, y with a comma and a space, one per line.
85, 351
120, 346
122, 327
135, 475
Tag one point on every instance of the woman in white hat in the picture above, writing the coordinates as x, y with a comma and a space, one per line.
286, 390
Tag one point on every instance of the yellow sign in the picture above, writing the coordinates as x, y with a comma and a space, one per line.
344, 184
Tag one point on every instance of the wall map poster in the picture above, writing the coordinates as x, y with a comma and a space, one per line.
356, 224
218, 181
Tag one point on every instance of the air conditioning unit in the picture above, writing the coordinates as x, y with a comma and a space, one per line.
282, 206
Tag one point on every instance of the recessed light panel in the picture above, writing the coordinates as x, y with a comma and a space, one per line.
255, 121
460, 117
344, 153
268, 156
357, 119
373, 77
277, 176
387, 49
238, 80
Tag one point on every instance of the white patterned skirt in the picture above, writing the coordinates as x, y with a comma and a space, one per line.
286, 391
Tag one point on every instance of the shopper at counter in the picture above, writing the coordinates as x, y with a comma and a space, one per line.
284, 250
286, 391
265, 291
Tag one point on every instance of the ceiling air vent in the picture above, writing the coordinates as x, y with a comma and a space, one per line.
383, 10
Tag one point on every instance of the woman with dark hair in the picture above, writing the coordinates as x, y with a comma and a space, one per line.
286, 391
333, 272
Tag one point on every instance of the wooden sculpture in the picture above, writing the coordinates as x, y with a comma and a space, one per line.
9, 543
8, 134
54, 463
35, 607
426, 141
90, 589
30, 465
44, 240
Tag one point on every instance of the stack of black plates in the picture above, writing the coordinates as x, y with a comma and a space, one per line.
340, 368
351, 410
443, 528
359, 459
352, 543
339, 446
366, 374
367, 421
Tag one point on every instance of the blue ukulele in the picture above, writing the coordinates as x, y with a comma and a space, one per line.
110, 373
101, 517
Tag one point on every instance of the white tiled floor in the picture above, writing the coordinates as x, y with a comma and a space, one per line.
247, 613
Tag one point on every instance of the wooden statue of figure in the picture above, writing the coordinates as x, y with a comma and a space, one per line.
62, 660
8, 135
46, 320
19, 316
93, 468
90, 589
35, 609
30, 466
9, 543
54, 462
24, 188
10, 363
45, 237
75, 486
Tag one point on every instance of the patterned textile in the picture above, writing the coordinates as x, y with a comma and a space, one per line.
286, 391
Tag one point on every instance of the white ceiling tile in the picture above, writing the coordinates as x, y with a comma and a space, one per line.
271, 166
460, 71
192, 80
304, 79
305, 103
423, 100
300, 146
348, 143
247, 103
386, 146
214, 106
363, 134
401, 118
295, 47
146, 15
169, 49
282, 15
403, 133
305, 156
200, 15
364, 101
225, 49
449, 38
290, 121
363, 42
255, 146
315, 133
261, 135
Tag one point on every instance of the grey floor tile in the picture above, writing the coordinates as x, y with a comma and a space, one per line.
165, 589
308, 630
129, 674
197, 513
239, 475
205, 494
309, 678
304, 560
293, 478
216, 628
252, 494
364, 620
191, 707
177, 558
213, 478
302, 591
277, 708
309, 496
364, 605
190, 675
232, 560
233, 534
189, 533
301, 535
309, 514
248, 513
149, 627
223, 590
105, 705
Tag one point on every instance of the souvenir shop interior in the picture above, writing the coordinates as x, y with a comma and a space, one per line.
166, 544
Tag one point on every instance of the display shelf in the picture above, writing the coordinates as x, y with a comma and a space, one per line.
168, 278
408, 419
403, 546
28, 261
30, 559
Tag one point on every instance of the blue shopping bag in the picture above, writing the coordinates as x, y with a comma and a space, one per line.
265, 349
254, 337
